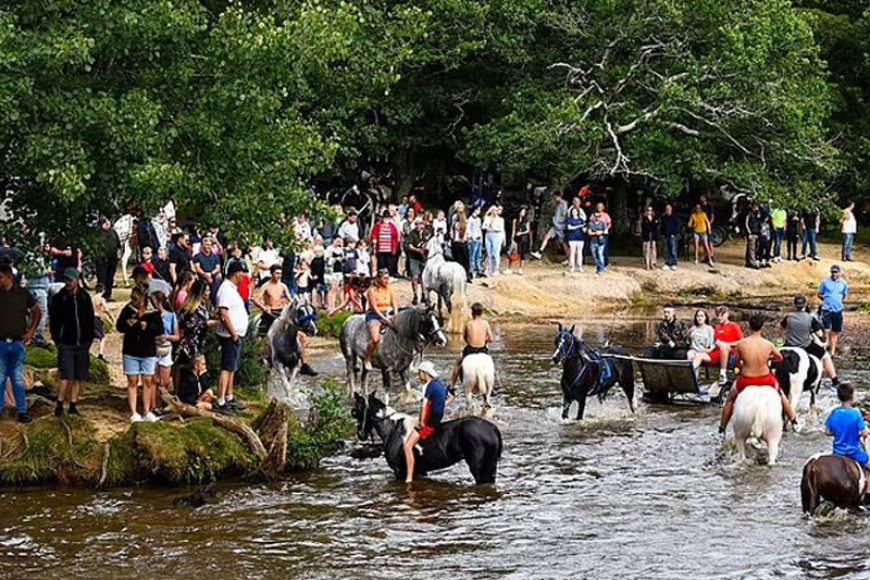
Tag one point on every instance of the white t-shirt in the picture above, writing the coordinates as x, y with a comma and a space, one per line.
228, 297
850, 224
268, 257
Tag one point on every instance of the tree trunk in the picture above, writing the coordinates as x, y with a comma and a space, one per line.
272, 428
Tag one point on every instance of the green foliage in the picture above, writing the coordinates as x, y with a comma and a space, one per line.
41, 358
329, 424
99, 372
46, 452
252, 372
331, 325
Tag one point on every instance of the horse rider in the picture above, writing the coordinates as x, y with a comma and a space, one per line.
435, 399
477, 335
382, 307
753, 354
671, 337
847, 426
800, 328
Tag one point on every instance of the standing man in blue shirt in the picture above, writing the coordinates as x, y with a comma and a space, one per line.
832, 292
847, 426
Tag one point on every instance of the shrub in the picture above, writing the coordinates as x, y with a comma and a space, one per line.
41, 358
328, 425
331, 326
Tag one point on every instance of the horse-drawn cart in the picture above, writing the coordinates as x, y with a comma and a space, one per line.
670, 381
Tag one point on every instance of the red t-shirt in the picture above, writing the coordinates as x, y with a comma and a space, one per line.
148, 267
729, 332
244, 287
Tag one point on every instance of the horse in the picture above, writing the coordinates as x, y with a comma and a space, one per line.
410, 332
758, 414
446, 279
478, 376
840, 480
798, 371
125, 227
581, 372
473, 439
282, 343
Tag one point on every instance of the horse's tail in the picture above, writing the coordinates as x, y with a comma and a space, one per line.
809, 488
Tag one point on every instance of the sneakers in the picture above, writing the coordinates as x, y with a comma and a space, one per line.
723, 380
151, 417
136, 418
72, 409
536, 255
24, 419
236, 405
520, 272
508, 272
225, 409
307, 370
368, 365
58, 409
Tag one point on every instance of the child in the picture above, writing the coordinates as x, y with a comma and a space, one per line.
303, 279
193, 385
318, 277
171, 334
100, 310
147, 263
848, 428
364, 259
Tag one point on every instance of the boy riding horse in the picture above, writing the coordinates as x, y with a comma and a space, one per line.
477, 335
847, 426
435, 400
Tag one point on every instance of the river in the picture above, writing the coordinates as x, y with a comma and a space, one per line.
649, 496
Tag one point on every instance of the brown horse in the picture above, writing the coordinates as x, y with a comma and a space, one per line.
839, 480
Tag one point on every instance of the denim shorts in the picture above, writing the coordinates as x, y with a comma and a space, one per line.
231, 353
832, 321
701, 237
140, 366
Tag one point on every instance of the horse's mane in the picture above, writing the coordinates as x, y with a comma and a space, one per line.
407, 322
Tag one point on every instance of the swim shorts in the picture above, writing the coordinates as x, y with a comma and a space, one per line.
766, 381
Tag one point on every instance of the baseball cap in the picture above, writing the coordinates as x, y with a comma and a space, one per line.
70, 274
835, 268
428, 368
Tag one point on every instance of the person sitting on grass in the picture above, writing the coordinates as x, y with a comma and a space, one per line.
194, 385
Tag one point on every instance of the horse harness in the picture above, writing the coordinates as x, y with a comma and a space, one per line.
588, 356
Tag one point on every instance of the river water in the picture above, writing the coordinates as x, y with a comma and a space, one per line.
654, 495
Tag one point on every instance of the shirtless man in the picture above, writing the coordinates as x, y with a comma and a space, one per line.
274, 297
753, 354
477, 335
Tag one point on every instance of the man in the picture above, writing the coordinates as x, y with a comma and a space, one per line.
671, 336
800, 326
141, 276
435, 400
779, 220
699, 223
596, 233
832, 292
232, 327
417, 242
110, 253
477, 335
604, 218
385, 243
726, 334
71, 323
810, 221
37, 283
849, 227
274, 295
557, 229
849, 430
349, 229
752, 227
671, 233
179, 255
207, 265
265, 258
146, 235
15, 334
753, 355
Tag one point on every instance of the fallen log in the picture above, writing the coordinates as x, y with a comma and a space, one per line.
272, 428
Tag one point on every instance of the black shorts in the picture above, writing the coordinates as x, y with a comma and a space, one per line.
415, 267
73, 362
99, 332
832, 321
231, 353
468, 350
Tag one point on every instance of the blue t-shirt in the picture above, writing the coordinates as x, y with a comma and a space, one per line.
597, 227
207, 263
574, 235
846, 424
436, 394
168, 322
833, 292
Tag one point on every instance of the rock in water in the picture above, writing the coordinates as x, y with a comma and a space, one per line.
199, 498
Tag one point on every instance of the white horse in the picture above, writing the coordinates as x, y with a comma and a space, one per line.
478, 377
124, 228
758, 415
447, 280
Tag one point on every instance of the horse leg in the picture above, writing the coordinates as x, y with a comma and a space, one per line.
772, 450
740, 442
351, 377
581, 406
566, 406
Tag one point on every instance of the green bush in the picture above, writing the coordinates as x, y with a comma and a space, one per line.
331, 326
252, 373
99, 372
329, 424
41, 358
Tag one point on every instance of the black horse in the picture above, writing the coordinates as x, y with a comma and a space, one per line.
582, 370
473, 439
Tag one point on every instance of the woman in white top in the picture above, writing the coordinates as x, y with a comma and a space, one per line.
439, 225
850, 228
474, 235
493, 225
701, 340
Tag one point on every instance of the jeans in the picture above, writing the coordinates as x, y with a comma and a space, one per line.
493, 252
671, 250
606, 249
778, 237
12, 367
792, 246
38, 287
847, 246
809, 239
106, 275
598, 256
475, 253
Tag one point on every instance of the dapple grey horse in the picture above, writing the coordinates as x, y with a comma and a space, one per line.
411, 330
282, 345
447, 279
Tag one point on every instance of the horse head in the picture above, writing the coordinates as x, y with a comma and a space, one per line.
366, 412
431, 327
305, 317
566, 344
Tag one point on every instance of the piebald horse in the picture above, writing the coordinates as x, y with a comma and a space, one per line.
839, 480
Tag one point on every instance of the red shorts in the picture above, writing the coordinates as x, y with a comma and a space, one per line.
714, 357
766, 381
425, 431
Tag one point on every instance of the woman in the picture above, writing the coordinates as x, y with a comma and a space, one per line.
382, 306
576, 237
493, 225
182, 289
406, 226
649, 234
475, 243
439, 225
701, 340
522, 237
140, 326
849, 227
193, 322
171, 335
459, 237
